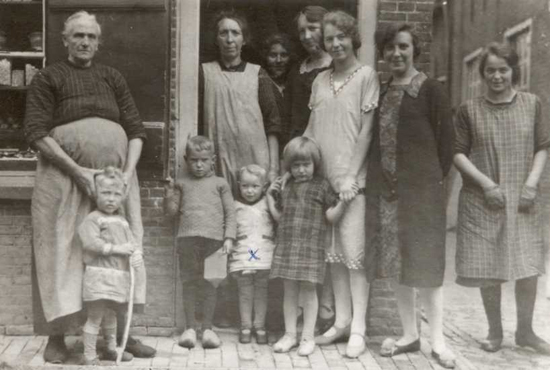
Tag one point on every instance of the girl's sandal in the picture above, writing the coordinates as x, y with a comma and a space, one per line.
285, 344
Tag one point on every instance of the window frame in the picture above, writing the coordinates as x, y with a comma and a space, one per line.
520, 32
472, 87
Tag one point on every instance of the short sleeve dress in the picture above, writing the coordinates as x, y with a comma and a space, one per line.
500, 140
302, 233
335, 124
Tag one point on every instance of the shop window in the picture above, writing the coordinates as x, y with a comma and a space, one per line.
22, 54
519, 37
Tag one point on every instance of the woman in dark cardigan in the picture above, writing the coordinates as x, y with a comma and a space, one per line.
411, 155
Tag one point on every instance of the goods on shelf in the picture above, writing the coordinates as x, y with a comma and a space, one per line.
30, 71
5, 72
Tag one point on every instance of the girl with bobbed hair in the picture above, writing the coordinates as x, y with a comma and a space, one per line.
501, 149
410, 157
342, 104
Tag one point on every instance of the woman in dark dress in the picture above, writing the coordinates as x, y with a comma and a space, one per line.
410, 157
501, 149
301, 76
278, 55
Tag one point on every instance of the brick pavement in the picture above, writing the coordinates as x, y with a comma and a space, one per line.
465, 326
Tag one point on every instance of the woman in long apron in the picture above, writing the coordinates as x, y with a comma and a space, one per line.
81, 117
238, 109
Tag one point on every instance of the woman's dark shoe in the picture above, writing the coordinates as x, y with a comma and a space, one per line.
325, 323
534, 342
56, 351
491, 344
245, 336
261, 336
390, 347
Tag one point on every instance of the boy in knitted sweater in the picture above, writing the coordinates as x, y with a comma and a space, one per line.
206, 225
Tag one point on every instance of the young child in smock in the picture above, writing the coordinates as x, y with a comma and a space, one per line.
250, 258
302, 209
206, 226
108, 249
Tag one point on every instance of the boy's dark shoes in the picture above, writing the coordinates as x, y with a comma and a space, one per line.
56, 351
112, 355
245, 336
138, 349
261, 336
210, 339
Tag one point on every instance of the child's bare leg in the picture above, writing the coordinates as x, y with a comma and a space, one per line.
290, 305
309, 293
290, 309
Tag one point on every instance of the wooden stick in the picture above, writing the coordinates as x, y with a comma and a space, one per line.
128, 316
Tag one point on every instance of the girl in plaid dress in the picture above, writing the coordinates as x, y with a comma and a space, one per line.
302, 210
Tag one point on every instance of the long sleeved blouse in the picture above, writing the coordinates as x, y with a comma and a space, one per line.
64, 92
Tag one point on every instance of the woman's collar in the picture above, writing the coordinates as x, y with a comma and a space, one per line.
412, 89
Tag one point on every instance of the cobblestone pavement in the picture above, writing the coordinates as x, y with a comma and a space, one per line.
465, 326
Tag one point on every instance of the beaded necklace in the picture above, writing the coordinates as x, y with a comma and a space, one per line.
348, 79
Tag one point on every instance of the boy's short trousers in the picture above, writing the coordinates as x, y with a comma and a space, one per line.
192, 252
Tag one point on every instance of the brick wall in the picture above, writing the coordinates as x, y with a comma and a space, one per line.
415, 12
15, 268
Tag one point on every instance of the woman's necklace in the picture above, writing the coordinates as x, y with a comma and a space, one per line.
336, 90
